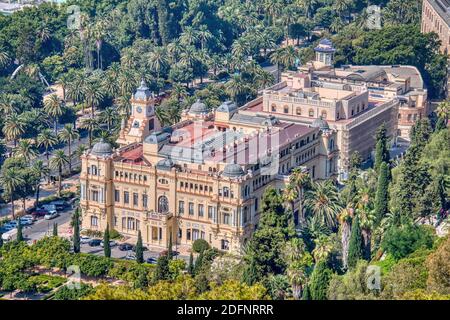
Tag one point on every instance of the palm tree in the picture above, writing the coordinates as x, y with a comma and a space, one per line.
298, 260
301, 180
307, 6
157, 60
4, 57
13, 127
90, 124
178, 91
9, 103
123, 105
264, 79
365, 211
68, 135
94, 94
322, 249
64, 81
26, 149
58, 161
323, 203
11, 180
337, 24
39, 170
204, 36
290, 195
443, 110
341, 6
53, 107
75, 88
47, 139
189, 37
235, 87
162, 116
345, 218
108, 116
81, 149
241, 48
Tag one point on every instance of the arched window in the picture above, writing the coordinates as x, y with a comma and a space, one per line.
94, 170
286, 109
311, 113
324, 115
163, 204
274, 108
299, 111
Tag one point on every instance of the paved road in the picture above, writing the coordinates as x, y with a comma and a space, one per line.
42, 227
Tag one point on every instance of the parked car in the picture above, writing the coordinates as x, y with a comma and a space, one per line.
84, 239
26, 222
166, 252
60, 205
51, 215
7, 227
125, 247
10, 235
151, 260
95, 242
40, 212
29, 217
111, 244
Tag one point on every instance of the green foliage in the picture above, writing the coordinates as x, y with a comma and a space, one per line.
162, 271
402, 240
91, 265
319, 281
44, 283
76, 231
139, 249
106, 240
200, 245
66, 293
382, 193
355, 250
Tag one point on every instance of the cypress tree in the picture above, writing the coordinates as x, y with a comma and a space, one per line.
162, 271
355, 252
139, 249
381, 196
1, 240
381, 149
19, 231
190, 269
55, 229
76, 231
306, 293
106, 245
320, 280
198, 263
251, 274
169, 251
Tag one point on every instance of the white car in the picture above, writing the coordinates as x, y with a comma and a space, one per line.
8, 227
51, 215
84, 239
111, 244
26, 221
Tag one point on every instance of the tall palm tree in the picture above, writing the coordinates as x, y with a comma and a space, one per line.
443, 110
235, 87
94, 94
204, 36
345, 218
342, 6
54, 108
162, 116
290, 195
322, 249
189, 36
11, 180
323, 202
13, 128
90, 124
81, 149
337, 24
68, 135
39, 170
58, 161
9, 103
301, 180
158, 60
123, 105
75, 88
298, 260
307, 6
64, 81
366, 213
26, 149
108, 116
47, 139
178, 91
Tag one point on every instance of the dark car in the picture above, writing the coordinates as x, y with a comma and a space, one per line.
151, 260
166, 252
95, 242
143, 248
40, 212
125, 247
60, 205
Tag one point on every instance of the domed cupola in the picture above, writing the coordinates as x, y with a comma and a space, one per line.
325, 52
165, 164
233, 170
321, 124
198, 108
102, 149
143, 92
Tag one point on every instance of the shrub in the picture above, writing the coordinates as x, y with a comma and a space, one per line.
114, 234
66, 293
45, 283
200, 245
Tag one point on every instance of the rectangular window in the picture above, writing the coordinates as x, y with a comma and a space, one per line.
181, 208
126, 197
210, 212
200, 210
94, 221
117, 195
95, 196
135, 199
226, 218
191, 208
188, 234
145, 201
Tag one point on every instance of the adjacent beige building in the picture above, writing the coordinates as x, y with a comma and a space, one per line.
436, 18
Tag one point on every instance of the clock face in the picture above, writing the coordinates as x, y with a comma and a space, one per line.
139, 109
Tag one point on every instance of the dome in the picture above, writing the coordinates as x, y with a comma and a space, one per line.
143, 92
320, 123
198, 108
165, 164
325, 46
102, 149
227, 106
233, 171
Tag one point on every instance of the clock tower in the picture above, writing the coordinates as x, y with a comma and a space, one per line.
142, 120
